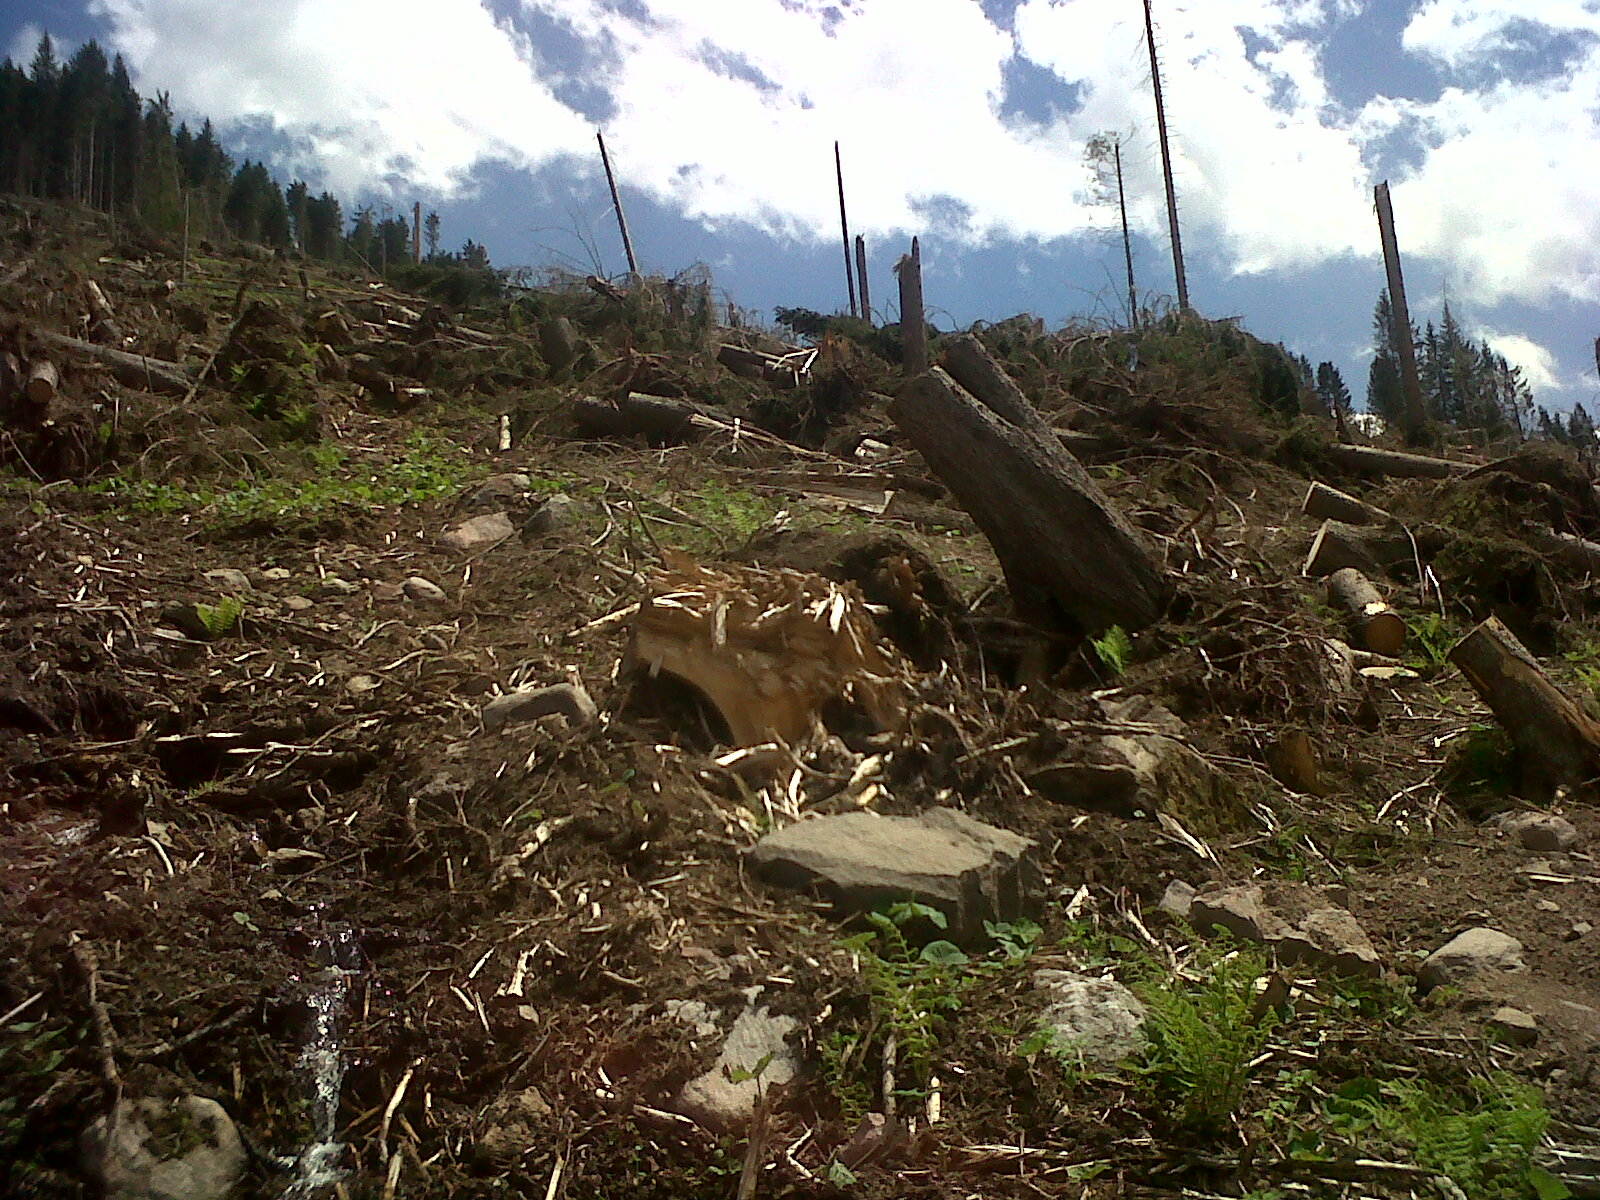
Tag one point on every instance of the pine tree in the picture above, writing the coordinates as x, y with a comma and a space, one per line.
1331, 389
430, 230
1385, 391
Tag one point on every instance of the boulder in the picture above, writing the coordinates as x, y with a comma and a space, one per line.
1300, 924
1097, 1020
970, 871
1178, 899
571, 700
1542, 832
478, 533
182, 1149
1469, 953
1513, 1026
423, 591
723, 1098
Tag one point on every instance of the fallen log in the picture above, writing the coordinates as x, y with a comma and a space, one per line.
1372, 460
1070, 558
780, 370
132, 370
1579, 553
1378, 627
104, 325
43, 382
1557, 742
661, 420
1337, 546
1324, 502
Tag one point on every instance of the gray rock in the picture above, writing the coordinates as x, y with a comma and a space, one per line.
423, 591
1513, 1026
1544, 833
571, 700
228, 579
720, 1102
559, 343
1098, 1020
552, 516
1579, 930
1468, 953
478, 532
497, 489
337, 585
1299, 924
276, 574
1178, 899
184, 1149
298, 603
970, 871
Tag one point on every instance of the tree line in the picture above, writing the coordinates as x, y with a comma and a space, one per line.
78, 131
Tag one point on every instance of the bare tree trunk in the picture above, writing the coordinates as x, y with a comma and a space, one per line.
1166, 163
1416, 419
844, 230
913, 329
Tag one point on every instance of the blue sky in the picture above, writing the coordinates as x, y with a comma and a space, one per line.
963, 121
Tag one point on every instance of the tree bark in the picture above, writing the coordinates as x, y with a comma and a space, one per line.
1323, 502
132, 370
661, 420
1378, 627
105, 325
913, 329
1337, 546
1071, 559
1395, 462
1558, 743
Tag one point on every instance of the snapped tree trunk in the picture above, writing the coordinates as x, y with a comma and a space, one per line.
1395, 462
1558, 743
1071, 559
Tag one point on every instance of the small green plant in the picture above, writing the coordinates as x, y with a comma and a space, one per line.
222, 617
1481, 1137
912, 991
1204, 1034
1016, 940
1433, 636
1114, 648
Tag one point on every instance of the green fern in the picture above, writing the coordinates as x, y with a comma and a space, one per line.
222, 617
1114, 648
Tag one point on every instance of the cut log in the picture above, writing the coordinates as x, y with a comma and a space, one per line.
1558, 743
1377, 626
43, 381
132, 370
1374, 461
780, 370
1071, 559
662, 421
1324, 502
104, 325
1337, 546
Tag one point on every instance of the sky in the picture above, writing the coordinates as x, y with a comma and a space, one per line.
964, 122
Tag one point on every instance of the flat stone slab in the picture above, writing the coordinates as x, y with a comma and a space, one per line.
1469, 953
185, 1149
571, 700
478, 532
970, 871
1300, 924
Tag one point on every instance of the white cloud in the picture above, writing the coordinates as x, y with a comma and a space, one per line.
1539, 367
1458, 31
370, 89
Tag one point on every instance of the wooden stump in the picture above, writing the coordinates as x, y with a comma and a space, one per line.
43, 380
1378, 627
1558, 743
1337, 546
1071, 559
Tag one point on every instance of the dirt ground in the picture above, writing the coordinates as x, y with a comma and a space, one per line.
277, 821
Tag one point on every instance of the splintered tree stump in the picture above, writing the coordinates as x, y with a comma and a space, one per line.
1324, 502
1071, 559
1337, 546
1558, 743
1377, 626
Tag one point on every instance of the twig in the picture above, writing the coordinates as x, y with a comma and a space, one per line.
555, 1178
20, 1009
88, 964
389, 1109
162, 1049
755, 1151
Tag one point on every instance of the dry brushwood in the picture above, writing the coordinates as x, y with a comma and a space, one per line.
768, 648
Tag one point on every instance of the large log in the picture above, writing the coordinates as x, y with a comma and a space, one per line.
1337, 546
1324, 502
1558, 743
1070, 558
1378, 627
104, 326
1374, 461
661, 420
133, 370
43, 381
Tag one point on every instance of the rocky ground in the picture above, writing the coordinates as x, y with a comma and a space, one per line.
353, 847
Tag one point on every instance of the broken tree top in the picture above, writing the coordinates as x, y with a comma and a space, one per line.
767, 648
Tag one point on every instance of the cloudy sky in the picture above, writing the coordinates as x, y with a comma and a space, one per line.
963, 121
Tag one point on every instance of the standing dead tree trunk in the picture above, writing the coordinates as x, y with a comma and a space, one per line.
1071, 559
1558, 744
913, 329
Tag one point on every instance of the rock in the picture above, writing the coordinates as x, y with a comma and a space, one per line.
228, 579
1299, 924
298, 603
720, 1102
423, 591
571, 700
478, 532
1547, 906
498, 489
276, 574
1543, 833
1513, 1026
293, 860
559, 343
360, 685
184, 1149
1580, 929
552, 516
970, 871
1097, 1020
337, 585
1178, 899
1468, 953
